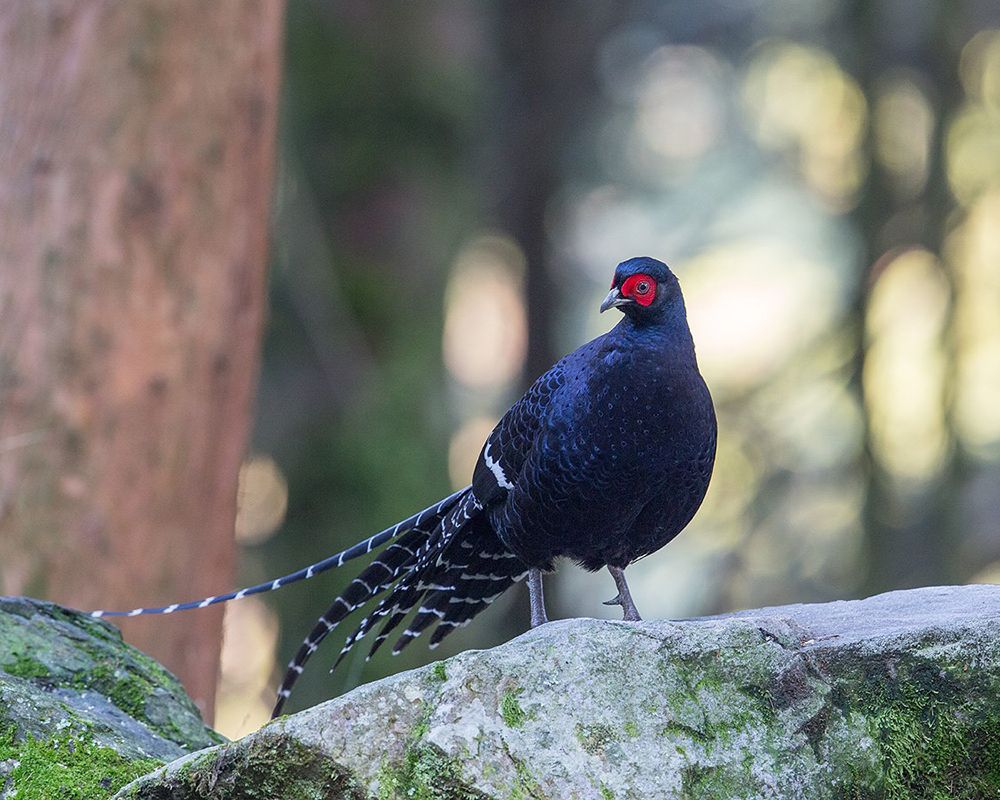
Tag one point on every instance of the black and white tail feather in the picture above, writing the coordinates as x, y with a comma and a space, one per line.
447, 561
431, 514
453, 570
554, 446
446, 558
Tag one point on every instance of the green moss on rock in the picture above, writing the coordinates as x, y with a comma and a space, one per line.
70, 655
510, 709
525, 785
936, 729
24, 666
125, 688
426, 773
69, 766
271, 766
83, 713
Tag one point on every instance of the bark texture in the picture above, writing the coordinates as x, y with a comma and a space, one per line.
135, 179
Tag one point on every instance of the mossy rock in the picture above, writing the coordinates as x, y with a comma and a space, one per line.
893, 697
81, 712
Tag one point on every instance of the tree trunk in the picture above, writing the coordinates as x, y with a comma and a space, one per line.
135, 180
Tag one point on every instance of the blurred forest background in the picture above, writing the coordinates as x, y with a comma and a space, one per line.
455, 183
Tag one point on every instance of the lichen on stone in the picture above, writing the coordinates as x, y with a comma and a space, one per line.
894, 697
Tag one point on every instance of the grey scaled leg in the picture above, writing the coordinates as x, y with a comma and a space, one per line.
537, 598
624, 597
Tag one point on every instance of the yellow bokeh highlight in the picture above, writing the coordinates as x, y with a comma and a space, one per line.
680, 111
973, 152
486, 327
979, 68
813, 420
904, 126
245, 694
988, 574
974, 249
905, 370
463, 451
751, 305
800, 101
735, 482
262, 500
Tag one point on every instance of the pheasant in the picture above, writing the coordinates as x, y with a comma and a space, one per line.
604, 460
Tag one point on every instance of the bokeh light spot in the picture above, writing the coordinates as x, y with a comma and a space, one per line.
904, 371
463, 451
974, 248
752, 304
904, 124
485, 330
800, 101
680, 109
979, 68
973, 153
245, 692
262, 500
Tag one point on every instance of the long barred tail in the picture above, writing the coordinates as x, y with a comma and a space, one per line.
471, 575
454, 570
422, 520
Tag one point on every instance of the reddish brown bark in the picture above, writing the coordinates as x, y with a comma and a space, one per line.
136, 160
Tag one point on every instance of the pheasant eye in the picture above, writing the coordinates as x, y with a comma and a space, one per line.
641, 288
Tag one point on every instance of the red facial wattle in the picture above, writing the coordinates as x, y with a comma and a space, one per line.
641, 288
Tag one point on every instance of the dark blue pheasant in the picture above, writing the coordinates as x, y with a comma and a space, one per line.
604, 460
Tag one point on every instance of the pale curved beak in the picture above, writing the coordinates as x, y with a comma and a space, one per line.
613, 300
